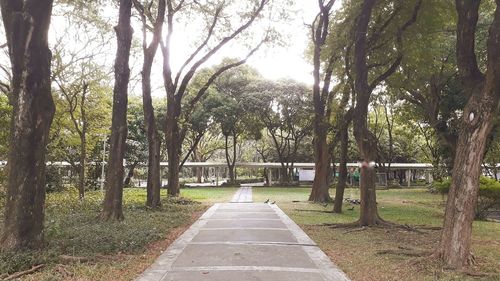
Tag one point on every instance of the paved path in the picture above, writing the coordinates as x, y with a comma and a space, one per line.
243, 195
243, 242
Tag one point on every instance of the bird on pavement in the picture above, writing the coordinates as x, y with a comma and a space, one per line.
274, 202
267, 201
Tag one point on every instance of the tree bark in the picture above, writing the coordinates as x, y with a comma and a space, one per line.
319, 192
231, 161
112, 205
154, 143
476, 125
130, 174
339, 191
26, 26
83, 157
173, 140
364, 138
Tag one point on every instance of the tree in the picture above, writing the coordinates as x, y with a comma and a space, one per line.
149, 53
322, 97
363, 87
207, 146
344, 118
112, 205
32, 113
178, 109
285, 109
483, 95
80, 86
233, 110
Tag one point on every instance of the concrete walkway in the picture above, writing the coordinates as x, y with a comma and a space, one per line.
243, 242
243, 195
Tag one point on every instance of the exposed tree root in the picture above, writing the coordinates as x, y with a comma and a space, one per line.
380, 223
355, 230
427, 227
343, 225
405, 251
72, 259
65, 259
22, 273
312, 211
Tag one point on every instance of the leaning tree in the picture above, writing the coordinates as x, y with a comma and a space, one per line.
26, 26
483, 91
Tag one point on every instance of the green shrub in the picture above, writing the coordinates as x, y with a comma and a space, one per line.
53, 179
443, 186
489, 194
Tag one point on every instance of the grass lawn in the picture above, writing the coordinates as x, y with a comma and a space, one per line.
358, 252
81, 247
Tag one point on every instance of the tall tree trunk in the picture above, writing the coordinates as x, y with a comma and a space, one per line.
174, 143
339, 191
112, 205
319, 192
284, 178
476, 125
231, 162
364, 138
83, 157
26, 26
321, 95
154, 143
366, 141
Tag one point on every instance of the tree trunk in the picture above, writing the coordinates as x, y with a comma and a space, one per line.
365, 139
199, 174
154, 143
174, 142
476, 125
319, 192
339, 191
231, 162
33, 110
112, 205
284, 179
130, 174
81, 176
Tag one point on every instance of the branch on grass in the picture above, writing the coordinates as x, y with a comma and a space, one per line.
404, 252
22, 273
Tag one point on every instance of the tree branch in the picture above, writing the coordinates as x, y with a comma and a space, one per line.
192, 70
221, 70
202, 45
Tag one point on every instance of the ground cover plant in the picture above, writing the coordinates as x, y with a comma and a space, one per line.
79, 246
391, 253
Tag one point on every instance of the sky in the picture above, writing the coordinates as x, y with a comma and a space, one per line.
289, 61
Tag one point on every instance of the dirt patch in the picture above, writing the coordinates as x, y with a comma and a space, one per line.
390, 254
